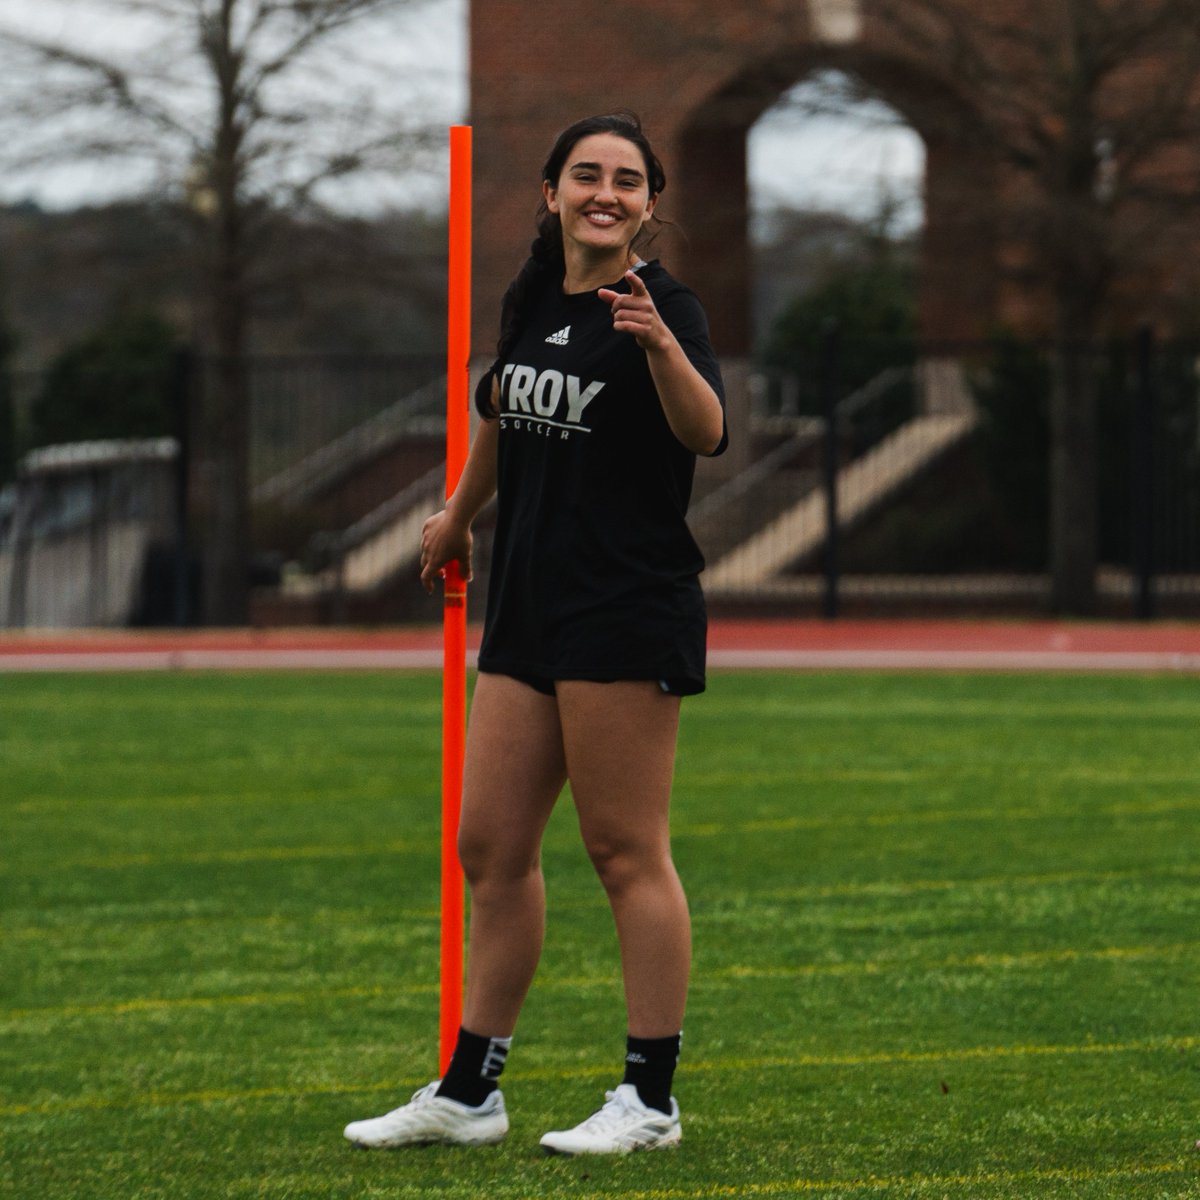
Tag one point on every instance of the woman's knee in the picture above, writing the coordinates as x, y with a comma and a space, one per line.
486, 862
473, 858
620, 862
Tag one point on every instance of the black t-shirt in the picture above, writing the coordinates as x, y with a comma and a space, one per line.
594, 572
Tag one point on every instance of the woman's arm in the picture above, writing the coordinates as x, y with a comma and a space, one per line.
446, 536
690, 405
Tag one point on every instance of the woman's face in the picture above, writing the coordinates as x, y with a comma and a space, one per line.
602, 196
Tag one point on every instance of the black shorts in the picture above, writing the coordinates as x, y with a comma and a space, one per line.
670, 687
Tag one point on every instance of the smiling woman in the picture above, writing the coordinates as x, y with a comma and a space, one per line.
604, 390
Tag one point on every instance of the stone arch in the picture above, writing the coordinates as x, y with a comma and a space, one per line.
957, 276
701, 72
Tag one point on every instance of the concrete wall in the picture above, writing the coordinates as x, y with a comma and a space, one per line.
75, 549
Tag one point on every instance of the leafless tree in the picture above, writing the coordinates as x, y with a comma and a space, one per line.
1090, 110
243, 110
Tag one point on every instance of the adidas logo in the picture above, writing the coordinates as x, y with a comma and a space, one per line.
560, 338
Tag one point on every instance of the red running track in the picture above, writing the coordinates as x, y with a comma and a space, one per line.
790, 645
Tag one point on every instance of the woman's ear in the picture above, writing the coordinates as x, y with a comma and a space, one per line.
550, 192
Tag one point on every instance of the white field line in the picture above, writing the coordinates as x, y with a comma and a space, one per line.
201, 659
875, 659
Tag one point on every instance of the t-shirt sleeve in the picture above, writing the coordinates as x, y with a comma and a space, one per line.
681, 310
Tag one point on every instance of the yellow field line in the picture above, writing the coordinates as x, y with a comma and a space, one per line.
247, 855
722, 975
296, 1091
83, 926
146, 1004
908, 887
212, 1096
907, 1184
986, 962
801, 892
964, 1054
815, 891
932, 817
57, 802
683, 830
895, 1185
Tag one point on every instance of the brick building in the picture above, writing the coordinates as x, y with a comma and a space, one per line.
700, 72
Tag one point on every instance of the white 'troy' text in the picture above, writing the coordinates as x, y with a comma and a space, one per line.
542, 394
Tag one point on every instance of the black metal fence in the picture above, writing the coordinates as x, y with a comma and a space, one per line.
331, 441
929, 486
923, 488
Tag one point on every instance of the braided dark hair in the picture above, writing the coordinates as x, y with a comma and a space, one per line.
545, 264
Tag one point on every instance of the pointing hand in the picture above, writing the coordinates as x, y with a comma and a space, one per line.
635, 313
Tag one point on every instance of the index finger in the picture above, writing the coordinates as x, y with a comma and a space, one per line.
635, 283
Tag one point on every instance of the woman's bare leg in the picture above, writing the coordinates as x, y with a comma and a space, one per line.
513, 772
620, 753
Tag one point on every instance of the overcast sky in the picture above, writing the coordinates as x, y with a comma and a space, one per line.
798, 160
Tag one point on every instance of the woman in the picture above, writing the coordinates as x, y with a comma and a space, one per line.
604, 391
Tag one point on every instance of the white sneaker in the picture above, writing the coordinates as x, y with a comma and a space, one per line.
429, 1118
622, 1125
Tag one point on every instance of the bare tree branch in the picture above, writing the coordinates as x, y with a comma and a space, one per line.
103, 82
1093, 106
245, 104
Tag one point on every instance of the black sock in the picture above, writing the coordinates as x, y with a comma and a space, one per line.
474, 1068
650, 1067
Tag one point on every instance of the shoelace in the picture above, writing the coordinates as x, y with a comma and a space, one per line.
612, 1115
419, 1096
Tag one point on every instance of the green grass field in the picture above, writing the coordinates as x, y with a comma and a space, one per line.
947, 933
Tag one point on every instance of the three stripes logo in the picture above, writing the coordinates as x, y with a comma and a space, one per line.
561, 337
493, 1059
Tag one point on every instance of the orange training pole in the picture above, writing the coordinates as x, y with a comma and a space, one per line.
454, 610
